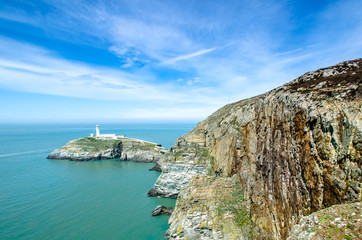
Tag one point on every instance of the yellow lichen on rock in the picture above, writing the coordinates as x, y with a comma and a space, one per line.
296, 150
210, 208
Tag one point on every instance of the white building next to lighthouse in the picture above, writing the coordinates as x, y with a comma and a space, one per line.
103, 136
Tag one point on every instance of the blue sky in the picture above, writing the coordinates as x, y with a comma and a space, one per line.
161, 61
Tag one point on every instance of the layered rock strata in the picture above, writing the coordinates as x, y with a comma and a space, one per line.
295, 150
187, 158
174, 177
140, 151
124, 149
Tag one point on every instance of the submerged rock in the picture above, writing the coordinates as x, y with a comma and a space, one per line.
162, 210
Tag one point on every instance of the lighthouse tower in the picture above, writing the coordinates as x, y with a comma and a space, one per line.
97, 131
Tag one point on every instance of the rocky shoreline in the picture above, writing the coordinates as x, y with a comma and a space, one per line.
173, 178
122, 149
258, 167
265, 167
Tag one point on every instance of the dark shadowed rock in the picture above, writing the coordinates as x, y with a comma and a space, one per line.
156, 168
156, 193
162, 210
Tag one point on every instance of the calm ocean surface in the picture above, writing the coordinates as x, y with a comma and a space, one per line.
57, 199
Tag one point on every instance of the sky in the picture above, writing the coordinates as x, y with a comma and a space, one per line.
161, 60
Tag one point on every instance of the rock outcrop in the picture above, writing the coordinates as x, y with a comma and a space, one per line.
295, 150
187, 158
124, 149
162, 210
140, 151
174, 177
156, 168
89, 148
210, 208
342, 221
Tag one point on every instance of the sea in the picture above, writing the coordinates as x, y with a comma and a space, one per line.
61, 199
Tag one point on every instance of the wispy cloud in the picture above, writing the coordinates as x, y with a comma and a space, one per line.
187, 56
174, 113
40, 72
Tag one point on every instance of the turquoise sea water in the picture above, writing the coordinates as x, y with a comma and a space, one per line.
57, 199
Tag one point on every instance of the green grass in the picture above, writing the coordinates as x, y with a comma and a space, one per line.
236, 206
178, 154
351, 226
140, 145
173, 157
211, 169
241, 214
90, 144
323, 218
205, 157
205, 153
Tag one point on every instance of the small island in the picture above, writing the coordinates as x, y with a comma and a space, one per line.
109, 146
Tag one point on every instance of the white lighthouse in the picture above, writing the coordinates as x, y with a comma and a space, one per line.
97, 131
104, 136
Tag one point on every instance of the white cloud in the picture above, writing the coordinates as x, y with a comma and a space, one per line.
193, 81
118, 51
38, 71
180, 114
151, 39
187, 56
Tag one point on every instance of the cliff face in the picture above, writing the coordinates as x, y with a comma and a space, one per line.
295, 150
126, 149
140, 151
210, 208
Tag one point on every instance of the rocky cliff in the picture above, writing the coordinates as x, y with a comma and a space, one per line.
294, 150
187, 158
343, 221
125, 149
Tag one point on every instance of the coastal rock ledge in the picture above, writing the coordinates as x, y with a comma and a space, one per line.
162, 210
124, 149
270, 161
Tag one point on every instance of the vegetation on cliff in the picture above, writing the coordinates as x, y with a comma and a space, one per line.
295, 150
91, 148
338, 222
212, 208
91, 144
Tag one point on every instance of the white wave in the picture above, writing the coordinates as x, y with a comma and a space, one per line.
23, 153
